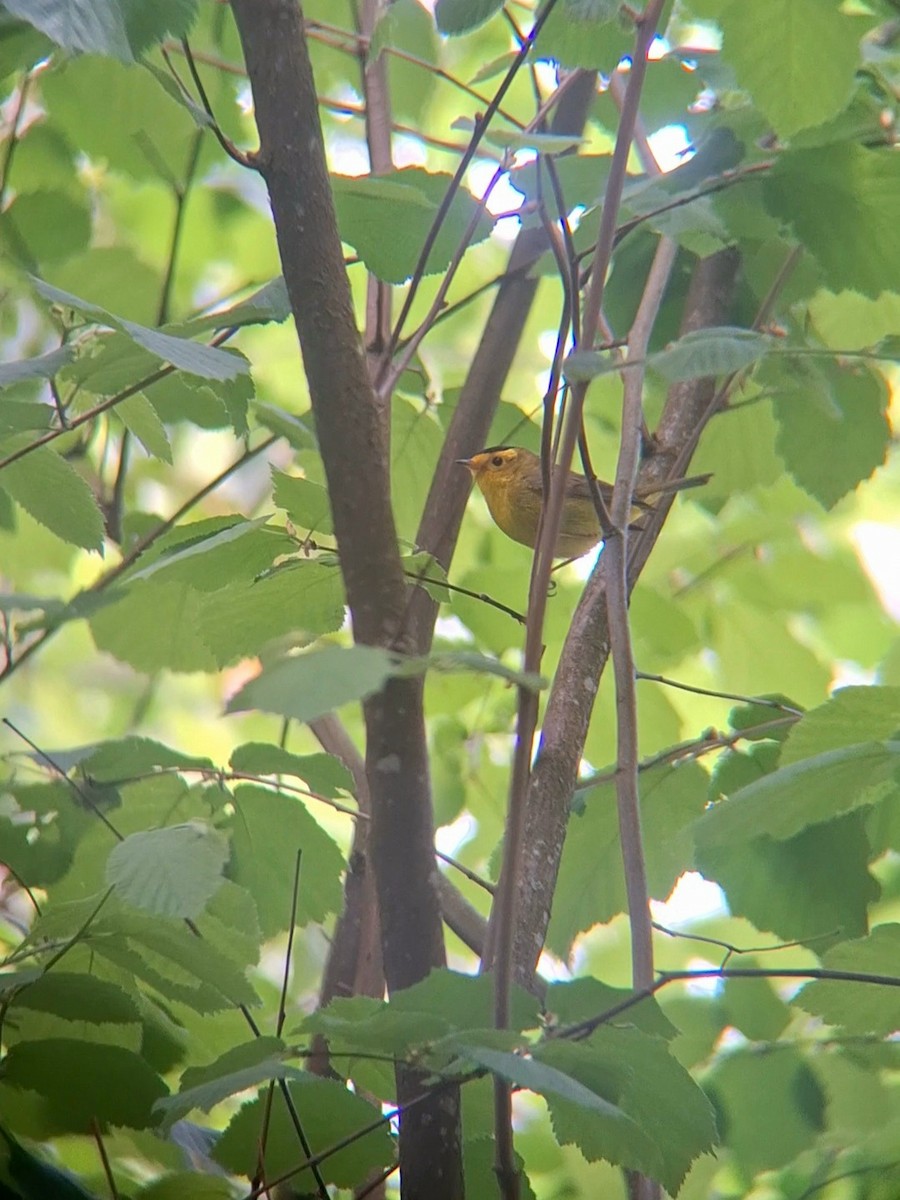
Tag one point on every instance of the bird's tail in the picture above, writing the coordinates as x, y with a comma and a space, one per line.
671, 485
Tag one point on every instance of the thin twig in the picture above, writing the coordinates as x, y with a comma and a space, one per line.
343, 107
315, 28
616, 553
584, 1029
141, 545
693, 749
481, 127
105, 405
104, 1158
238, 156
279, 1026
86, 800
13, 137
689, 687
377, 117
731, 949
484, 884
13, 874
505, 1167
191, 925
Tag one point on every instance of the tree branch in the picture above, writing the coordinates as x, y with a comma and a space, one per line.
584, 655
351, 436
471, 420
378, 140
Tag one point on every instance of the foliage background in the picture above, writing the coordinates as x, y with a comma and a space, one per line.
122, 213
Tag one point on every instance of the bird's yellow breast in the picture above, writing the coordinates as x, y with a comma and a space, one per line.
516, 514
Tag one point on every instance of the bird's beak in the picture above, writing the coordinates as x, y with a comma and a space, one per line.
465, 462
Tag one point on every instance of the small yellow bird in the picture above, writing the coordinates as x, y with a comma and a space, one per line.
510, 481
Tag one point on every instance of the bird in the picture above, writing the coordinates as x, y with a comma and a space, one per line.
509, 478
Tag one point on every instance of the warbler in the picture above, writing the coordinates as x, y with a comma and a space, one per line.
510, 481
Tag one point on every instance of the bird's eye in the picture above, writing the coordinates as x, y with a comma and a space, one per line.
497, 460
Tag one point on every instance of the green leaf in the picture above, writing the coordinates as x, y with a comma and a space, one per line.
330, 1114
207, 601
758, 653
223, 553
168, 618
581, 999
849, 717
711, 352
696, 355
737, 769
44, 366
361, 1024
45, 227
847, 408
386, 218
296, 602
173, 871
286, 425
124, 758
92, 26
179, 1185
148, 24
744, 718
849, 321
416, 443
208, 362
464, 999
426, 572
109, 362
496, 66
119, 28
546, 1080
859, 1007
123, 142
804, 793
240, 1068
770, 1135
83, 1082
53, 492
141, 419
591, 885
739, 448
19, 416
180, 966
40, 852
231, 924
753, 1006
853, 228
814, 885
427, 1017
585, 35
543, 143
671, 1120
459, 16
183, 398
79, 997
268, 831
797, 58
305, 502
310, 685
269, 303
407, 28
322, 773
